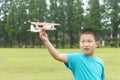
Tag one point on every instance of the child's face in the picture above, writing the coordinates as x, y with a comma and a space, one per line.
88, 43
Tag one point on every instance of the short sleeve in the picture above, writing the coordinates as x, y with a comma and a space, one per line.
103, 75
71, 61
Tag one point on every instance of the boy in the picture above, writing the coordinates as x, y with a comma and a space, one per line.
85, 65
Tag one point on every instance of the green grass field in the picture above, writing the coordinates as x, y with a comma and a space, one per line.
37, 64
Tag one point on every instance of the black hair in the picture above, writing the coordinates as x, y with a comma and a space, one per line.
89, 31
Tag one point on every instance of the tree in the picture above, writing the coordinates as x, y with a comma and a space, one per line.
74, 14
43, 13
11, 28
63, 21
113, 17
37, 11
22, 22
4, 8
78, 20
94, 16
53, 17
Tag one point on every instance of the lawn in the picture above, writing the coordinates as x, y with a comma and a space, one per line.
37, 64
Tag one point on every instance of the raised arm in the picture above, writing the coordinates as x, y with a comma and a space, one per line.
55, 54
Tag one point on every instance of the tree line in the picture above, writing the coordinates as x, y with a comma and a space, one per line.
16, 15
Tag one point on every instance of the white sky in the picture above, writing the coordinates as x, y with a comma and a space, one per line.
86, 5
84, 1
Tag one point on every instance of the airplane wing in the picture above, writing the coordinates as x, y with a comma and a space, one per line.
46, 26
33, 29
44, 23
37, 23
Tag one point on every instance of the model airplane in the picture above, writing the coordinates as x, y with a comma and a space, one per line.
45, 25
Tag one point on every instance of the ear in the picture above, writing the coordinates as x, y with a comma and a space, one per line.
97, 44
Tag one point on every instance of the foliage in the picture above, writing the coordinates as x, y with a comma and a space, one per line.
16, 15
112, 8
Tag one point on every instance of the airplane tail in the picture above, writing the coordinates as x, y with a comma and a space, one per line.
31, 28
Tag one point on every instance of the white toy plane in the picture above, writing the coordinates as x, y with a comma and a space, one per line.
45, 25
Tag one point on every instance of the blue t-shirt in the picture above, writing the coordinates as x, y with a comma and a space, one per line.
84, 67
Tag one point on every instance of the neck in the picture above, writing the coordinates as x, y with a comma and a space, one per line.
90, 55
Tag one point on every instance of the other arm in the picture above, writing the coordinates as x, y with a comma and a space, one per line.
55, 54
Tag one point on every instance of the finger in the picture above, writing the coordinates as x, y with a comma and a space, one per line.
42, 32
